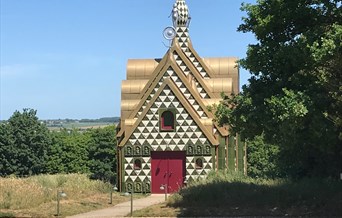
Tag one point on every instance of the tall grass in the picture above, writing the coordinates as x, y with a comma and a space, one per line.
25, 193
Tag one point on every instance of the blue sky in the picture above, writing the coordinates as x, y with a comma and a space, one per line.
67, 58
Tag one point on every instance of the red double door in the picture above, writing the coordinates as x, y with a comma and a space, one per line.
168, 170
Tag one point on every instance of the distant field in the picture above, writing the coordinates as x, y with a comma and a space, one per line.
80, 125
57, 124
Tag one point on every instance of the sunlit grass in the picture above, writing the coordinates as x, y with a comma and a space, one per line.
37, 195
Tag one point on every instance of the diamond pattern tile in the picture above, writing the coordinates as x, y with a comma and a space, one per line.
183, 13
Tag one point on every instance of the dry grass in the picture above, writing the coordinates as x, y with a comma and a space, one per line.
159, 210
36, 196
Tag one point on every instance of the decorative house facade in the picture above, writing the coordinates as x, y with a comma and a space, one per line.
167, 136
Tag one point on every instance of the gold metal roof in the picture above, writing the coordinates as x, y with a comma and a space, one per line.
225, 68
141, 69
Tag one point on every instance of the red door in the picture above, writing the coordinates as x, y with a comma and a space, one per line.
168, 170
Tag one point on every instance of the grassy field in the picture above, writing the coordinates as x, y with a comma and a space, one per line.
36, 196
79, 125
225, 194
222, 194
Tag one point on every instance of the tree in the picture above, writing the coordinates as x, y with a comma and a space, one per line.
23, 145
262, 159
91, 151
294, 97
102, 150
69, 152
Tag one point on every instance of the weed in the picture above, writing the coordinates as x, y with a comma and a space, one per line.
6, 202
7, 215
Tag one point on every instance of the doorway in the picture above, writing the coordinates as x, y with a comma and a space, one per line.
168, 170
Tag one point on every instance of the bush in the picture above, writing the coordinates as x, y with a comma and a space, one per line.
230, 193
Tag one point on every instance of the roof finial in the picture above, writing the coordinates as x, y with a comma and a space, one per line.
180, 14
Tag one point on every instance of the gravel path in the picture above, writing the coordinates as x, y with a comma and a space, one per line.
123, 209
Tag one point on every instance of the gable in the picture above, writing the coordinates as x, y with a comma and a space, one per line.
187, 132
176, 94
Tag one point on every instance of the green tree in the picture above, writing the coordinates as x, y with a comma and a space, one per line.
294, 97
23, 145
69, 152
262, 159
102, 151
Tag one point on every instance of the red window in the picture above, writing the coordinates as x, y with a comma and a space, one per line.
167, 121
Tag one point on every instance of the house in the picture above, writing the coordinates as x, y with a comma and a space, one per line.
167, 136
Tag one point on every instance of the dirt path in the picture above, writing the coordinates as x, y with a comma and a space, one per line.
123, 209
